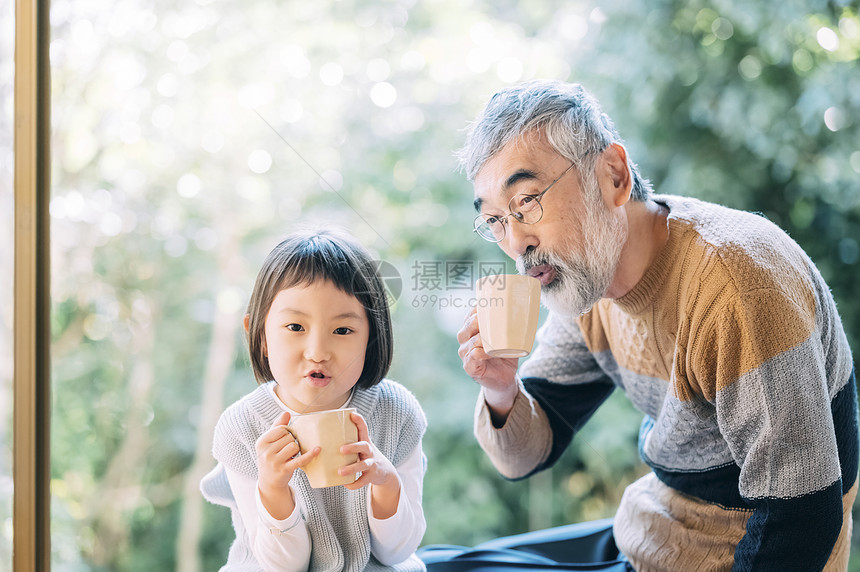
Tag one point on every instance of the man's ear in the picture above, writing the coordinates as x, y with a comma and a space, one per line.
616, 175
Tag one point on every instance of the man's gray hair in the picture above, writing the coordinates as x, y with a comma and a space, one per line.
571, 118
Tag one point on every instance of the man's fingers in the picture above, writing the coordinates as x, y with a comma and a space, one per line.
475, 369
470, 327
473, 351
466, 345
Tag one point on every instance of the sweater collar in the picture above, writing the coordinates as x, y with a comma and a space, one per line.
269, 407
646, 290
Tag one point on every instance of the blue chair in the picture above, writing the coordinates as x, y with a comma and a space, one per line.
575, 547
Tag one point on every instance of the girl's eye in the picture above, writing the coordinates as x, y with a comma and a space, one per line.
294, 327
342, 331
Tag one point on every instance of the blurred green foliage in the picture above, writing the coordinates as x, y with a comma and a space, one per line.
188, 137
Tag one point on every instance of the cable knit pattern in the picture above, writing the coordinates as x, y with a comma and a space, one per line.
732, 347
337, 517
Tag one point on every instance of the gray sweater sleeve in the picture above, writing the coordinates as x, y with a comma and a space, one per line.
567, 379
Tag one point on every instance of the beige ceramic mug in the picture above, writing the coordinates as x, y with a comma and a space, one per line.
328, 430
508, 308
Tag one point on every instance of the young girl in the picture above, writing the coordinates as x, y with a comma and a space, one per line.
319, 334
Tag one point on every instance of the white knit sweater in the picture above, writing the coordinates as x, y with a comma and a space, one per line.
336, 517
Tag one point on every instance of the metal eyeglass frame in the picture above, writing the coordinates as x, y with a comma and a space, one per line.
481, 221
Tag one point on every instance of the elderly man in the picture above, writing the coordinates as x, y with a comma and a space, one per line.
713, 322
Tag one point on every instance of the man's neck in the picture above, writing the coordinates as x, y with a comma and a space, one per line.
647, 233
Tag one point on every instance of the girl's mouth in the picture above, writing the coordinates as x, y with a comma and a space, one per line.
317, 378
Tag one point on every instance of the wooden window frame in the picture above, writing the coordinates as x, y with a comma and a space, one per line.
31, 520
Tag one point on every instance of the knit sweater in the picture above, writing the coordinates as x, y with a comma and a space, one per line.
336, 517
731, 346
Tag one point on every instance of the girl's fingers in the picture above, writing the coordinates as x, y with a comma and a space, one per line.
287, 452
277, 445
361, 425
275, 434
284, 419
362, 481
362, 448
355, 468
304, 459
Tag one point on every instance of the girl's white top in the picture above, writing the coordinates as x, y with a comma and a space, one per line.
285, 545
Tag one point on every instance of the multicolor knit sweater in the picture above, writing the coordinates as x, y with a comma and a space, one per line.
732, 348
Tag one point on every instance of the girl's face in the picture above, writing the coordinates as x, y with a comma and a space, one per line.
315, 341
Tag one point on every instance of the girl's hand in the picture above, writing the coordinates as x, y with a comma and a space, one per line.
375, 469
277, 460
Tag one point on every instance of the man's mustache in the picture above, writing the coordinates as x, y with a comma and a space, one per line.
529, 260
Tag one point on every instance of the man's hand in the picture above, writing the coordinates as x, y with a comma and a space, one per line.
496, 375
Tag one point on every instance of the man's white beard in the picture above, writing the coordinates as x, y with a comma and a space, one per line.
582, 280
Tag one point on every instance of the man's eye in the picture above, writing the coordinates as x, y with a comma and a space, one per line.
342, 331
526, 201
294, 327
492, 220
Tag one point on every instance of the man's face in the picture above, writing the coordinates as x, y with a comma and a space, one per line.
575, 248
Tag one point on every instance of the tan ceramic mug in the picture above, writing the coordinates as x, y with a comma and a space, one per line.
508, 308
328, 430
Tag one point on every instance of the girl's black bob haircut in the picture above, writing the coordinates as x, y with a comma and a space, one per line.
304, 258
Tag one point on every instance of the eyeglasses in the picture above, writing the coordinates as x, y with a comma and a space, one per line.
523, 208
